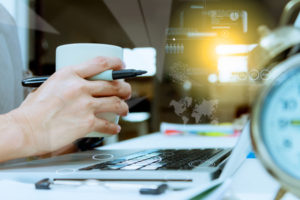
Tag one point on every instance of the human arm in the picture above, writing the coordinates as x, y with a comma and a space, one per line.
63, 109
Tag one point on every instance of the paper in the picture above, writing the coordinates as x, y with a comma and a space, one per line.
199, 129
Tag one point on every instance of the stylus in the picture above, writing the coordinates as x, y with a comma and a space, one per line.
108, 75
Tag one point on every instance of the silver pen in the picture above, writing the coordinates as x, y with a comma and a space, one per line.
154, 189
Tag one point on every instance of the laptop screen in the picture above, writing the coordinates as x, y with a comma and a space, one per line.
239, 153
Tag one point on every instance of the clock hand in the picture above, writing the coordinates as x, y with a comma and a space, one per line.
295, 122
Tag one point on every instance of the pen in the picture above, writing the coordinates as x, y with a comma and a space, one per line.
108, 75
147, 189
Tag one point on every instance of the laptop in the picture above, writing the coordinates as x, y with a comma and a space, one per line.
184, 167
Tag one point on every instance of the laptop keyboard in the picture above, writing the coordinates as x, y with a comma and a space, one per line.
159, 160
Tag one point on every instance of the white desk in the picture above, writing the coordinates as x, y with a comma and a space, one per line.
250, 182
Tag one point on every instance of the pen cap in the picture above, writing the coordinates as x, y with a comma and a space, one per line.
74, 54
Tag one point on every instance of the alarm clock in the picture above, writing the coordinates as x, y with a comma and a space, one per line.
275, 118
275, 124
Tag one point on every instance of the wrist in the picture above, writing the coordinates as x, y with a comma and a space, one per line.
19, 134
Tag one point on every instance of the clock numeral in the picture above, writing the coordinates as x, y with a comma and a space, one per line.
283, 123
290, 104
287, 143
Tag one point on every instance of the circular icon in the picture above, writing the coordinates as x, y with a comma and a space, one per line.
243, 76
102, 157
254, 74
234, 16
264, 74
65, 171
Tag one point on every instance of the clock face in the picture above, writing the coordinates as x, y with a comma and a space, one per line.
280, 122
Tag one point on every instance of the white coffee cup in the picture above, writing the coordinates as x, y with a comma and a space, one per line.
74, 54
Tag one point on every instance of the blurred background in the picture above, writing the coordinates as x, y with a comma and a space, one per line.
195, 51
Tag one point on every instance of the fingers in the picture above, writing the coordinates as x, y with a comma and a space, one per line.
98, 65
109, 88
104, 126
110, 104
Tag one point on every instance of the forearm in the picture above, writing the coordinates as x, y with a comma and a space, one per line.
63, 110
13, 142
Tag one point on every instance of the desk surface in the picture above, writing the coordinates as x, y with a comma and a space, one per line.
250, 182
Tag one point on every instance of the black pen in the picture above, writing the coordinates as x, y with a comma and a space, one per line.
108, 75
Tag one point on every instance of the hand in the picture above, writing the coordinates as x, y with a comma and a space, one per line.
64, 108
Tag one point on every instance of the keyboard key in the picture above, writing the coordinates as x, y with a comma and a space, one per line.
131, 167
138, 154
97, 166
114, 167
153, 166
148, 161
128, 162
152, 155
115, 161
139, 159
172, 167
